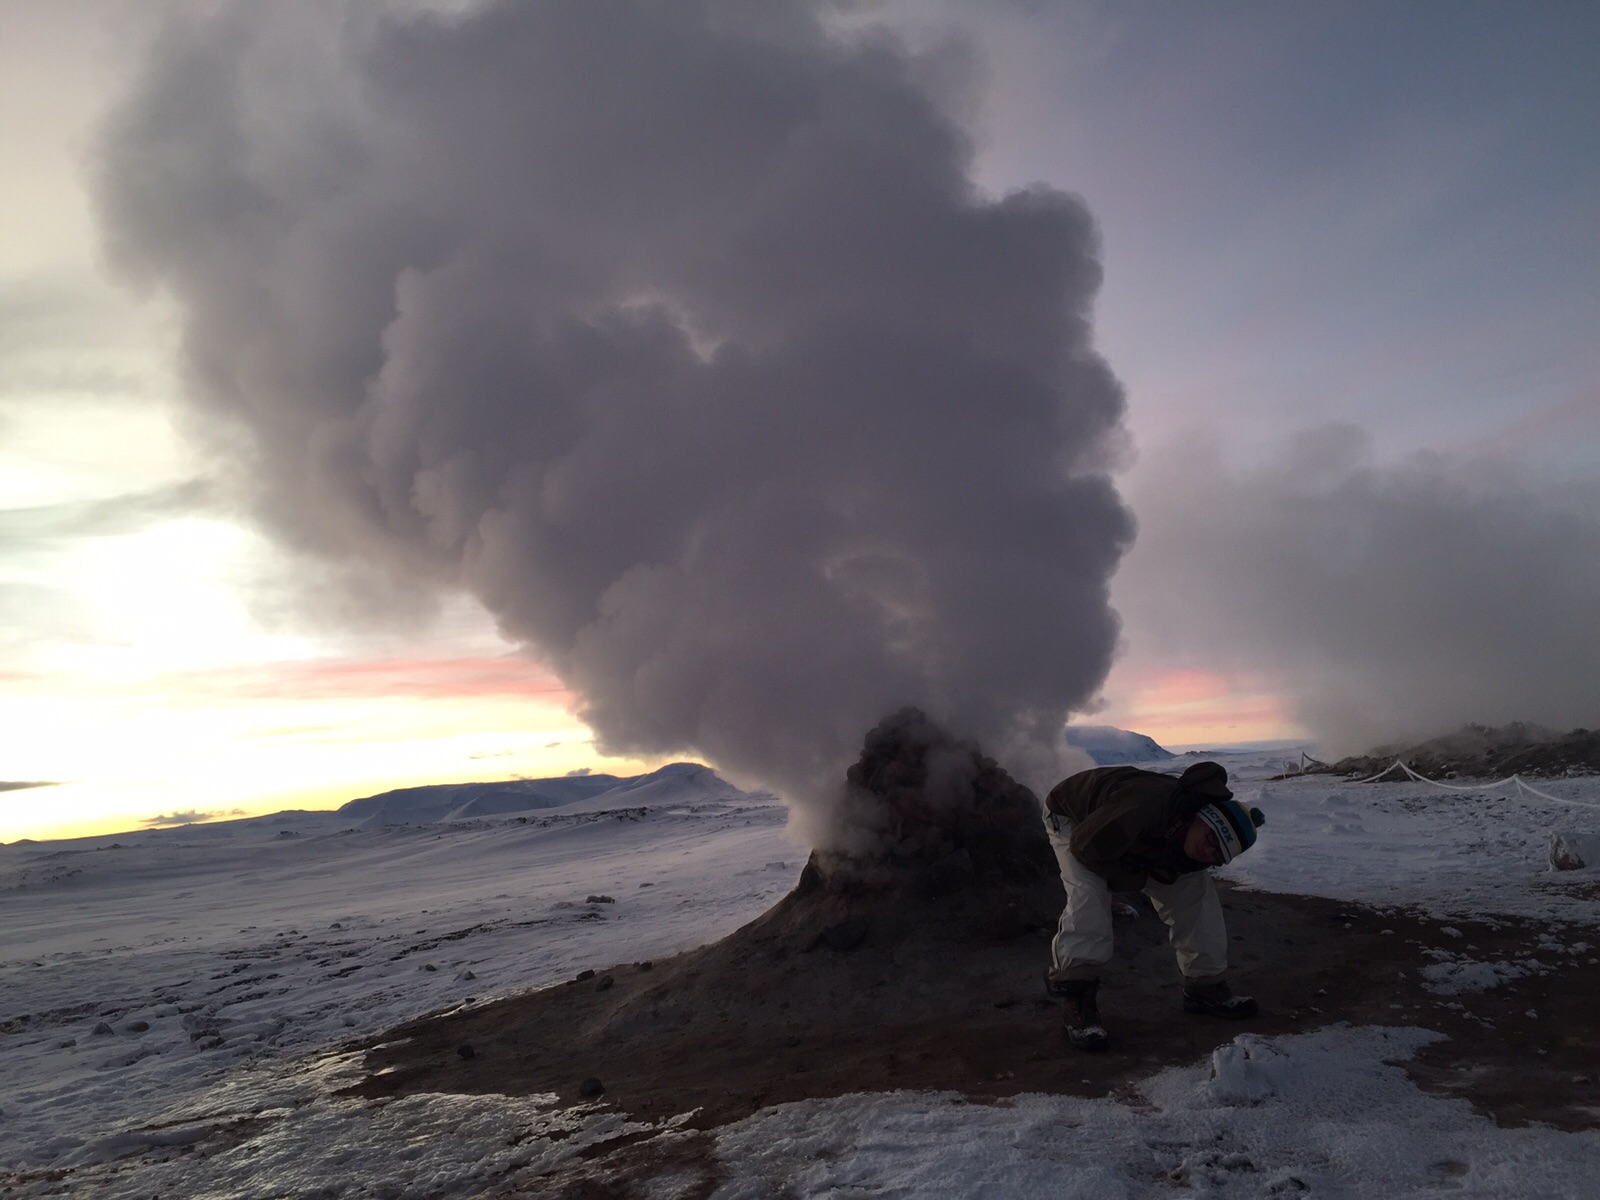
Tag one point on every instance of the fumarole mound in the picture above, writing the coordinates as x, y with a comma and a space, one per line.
923, 938
940, 836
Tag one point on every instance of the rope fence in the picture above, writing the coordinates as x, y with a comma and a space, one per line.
1521, 784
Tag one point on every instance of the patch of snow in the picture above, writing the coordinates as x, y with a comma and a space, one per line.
1455, 975
1451, 854
1312, 1114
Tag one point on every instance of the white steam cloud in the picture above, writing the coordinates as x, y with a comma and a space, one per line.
1386, 600
676, 333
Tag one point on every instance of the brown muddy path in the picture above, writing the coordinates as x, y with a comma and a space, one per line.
777, 1013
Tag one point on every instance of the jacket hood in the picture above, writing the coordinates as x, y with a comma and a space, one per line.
1207, 780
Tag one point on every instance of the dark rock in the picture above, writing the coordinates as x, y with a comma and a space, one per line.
1482, 751
950, 873
925, 807
466, 1051
466, 975
583, 975
137, 1026
845, 936
590, 1088
647, 965
102, 1028
600, 900
605, 984
429, 967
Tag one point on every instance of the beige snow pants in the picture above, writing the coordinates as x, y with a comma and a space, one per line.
1189, 906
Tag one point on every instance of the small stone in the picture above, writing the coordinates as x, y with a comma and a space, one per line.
583, 975
102, 1028
647, 965
466, 1052
137, 1026
429, 967
600, 900
67, 1045
467, 975
590, 1088
605, 984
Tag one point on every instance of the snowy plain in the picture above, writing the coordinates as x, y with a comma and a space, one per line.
173, 1003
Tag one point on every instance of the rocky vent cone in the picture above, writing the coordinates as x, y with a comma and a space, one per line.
931, 831
919, 931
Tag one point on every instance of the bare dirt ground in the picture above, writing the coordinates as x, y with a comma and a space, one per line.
785, 1010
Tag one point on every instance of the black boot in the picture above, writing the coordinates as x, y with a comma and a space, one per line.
1080, 1016
1217, 1000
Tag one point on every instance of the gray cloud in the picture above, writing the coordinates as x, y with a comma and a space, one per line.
1387, 600
66, 335
677, 333
191, 817
14, 785
46, 526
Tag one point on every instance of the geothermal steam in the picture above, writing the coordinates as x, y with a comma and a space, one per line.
676, 333
1388, 600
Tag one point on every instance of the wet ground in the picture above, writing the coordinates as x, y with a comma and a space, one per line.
775, 1013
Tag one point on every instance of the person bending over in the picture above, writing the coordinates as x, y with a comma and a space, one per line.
1125, 829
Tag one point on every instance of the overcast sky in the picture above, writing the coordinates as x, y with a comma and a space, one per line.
1351, 274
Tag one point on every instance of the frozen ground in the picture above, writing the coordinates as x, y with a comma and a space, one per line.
223, 965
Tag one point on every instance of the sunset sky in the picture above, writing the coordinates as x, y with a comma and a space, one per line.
1351, 287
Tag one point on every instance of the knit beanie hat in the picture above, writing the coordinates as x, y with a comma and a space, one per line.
1234, 826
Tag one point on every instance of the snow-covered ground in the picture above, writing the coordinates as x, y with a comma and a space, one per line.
171, 1003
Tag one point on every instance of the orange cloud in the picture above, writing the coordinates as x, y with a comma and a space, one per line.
1187, 706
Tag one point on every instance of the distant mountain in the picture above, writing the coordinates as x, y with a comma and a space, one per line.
1110, 746
1486, 751
674, 783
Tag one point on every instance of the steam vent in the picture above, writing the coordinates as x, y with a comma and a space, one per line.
941, 836
906, 963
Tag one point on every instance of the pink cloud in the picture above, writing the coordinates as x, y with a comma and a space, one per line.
413, 678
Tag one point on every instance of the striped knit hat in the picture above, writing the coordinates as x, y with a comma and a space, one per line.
1234, 825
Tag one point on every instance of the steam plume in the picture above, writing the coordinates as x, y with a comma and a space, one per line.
677, 333
1387, 600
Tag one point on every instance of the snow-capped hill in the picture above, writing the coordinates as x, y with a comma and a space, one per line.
496, 799
1110, 746
676, 783
440, 801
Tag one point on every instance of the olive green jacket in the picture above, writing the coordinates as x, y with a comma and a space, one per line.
1128, 824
